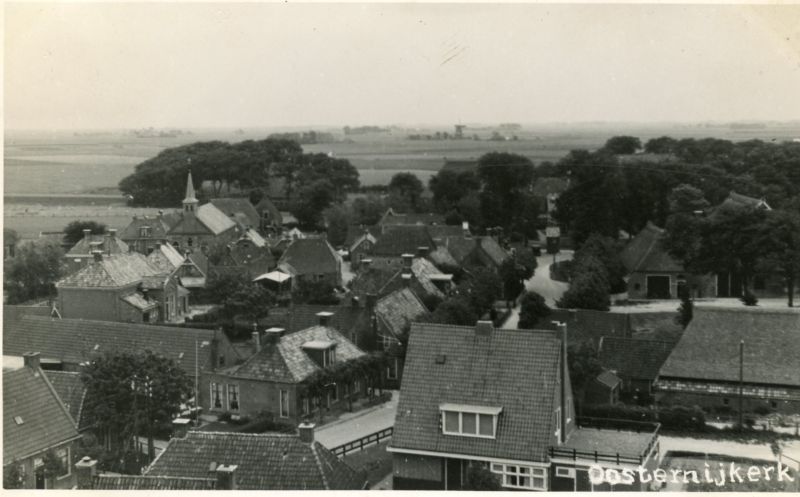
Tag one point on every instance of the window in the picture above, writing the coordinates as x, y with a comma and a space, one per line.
726, 401
144, 232
524, 477
391, 370
569, 411
284, 403
565, 472
216, 396
387, 342
469, 424
306, 407
557, 419
63, 457
189, 242
329, 357
233, 397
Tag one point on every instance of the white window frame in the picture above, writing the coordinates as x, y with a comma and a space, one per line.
461, 432
284, 404
212, 386
563, 472
557, 416
67, 465
229, 387
508, 471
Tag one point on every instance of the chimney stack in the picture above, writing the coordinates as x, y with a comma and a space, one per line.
422, 251
306, 431
85, 470
324, 318
226, 477
273, 335
256, 337
365, 263
31, 360
406, 279
484, 328
407, 260
160, 213
98, 255
86, 234
112, 232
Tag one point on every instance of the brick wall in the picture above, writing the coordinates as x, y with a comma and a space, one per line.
98, 304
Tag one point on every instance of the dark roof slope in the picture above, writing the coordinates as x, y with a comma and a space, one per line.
267, 461
310, 256
399, 309
71, 390
34, 419
709, 347
159, 226
231, 206
139, 482
78, 340
105, 243
115, 271
513, 369
402, 239
646, 253
633, 358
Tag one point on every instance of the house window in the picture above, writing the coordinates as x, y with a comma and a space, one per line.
470, 424
565, 472
233, 397
216, 395
189, 242
569, 411
63, 457
306, 406
329, 357
391, 370
145, 232
524, 477
557, 417
284, 403
387, 342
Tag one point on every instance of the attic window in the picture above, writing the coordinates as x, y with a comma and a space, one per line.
470, 421
18, 420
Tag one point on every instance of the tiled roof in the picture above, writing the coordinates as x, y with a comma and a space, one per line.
364, 237
77, 340
34, 419
165, 258
231, 206
139, 482
402, 239
253, 236
254, 259
547, 186
114, 271
423, 271
646, 253
214, 219
493, 250
106, 243
13, 313
410, 219
355, 231
399, 309
159, 226
346, 319
265, 204
288, 362
633, 358
311, 256
138, 301
371, 280
71, 390
514, 369
442, 257
267, 461
608, 379
440, 231
709, 346
460, 247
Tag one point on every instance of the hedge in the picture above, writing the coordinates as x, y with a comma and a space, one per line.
672, 418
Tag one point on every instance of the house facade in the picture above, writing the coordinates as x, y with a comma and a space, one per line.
501, 400
311, 260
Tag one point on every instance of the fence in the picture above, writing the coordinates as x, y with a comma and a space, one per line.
373, 438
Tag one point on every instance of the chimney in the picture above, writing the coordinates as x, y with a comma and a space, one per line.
214, 349
365, 263
406, 279
98, 255
562, 332
180, 426
112, 232
273, 335
160, 213
85, 470
306, 431
31, 360
372, 299
86, 234
422, 251
484, 328
226, 477
407, 259
324, 318
158, 245
256, 337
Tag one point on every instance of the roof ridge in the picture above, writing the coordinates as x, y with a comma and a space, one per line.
207, 434
165, 329
630, 339
319, 465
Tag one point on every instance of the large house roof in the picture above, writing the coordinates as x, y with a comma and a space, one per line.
265, 461
143, 482
76, 341
402, 239
71, 390
709, 347
207, 219
399, 309
231, 206
288, 362
517, 370
115, 271
165, 258
34, 418
410, 219
106, 243
634, 358
645, 252
310, 256
159, 226
345, 318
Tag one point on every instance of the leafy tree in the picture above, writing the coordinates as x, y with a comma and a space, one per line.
311, 201
482, 289
479, 477
131, 394
661, 145
606, 250
450, 187
337, 222
619, 145
583, 366
781, 241
367, 210
455, 310
13, 477
685, 311
513, 274
10, 238
33, 272
533, 309
407, 187
315, 293
589, 289
505, 178
339, 173
73, 232
248, 300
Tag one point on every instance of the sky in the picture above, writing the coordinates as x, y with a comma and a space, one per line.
129, 65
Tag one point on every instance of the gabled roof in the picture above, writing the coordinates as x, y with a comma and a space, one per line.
159, 227
75, 341
442, 257
253, 236
745, 201
399, 309
139, 301
459, 247
214, 219
384, 280
402, 239
609, 379
71, 390
355, 231
516, 370
346, 318
287, 362
709, 347
645, 252
361, 239
410, 219
115, 271
104, 243
633, 358
265, 204
493, 250
166, 258
310, 256
549, 186
141, 482
372, 280
34, 418
231, 206
265, 461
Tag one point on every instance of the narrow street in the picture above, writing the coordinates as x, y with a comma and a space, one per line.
358, 424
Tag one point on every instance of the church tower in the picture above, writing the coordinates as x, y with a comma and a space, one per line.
190, 202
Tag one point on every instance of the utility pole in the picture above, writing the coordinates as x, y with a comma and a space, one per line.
741, 383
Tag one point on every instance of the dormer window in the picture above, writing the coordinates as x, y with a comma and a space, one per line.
329, 357
323, 352
144, 232
470, 421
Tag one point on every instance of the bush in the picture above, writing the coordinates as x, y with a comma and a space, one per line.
749, 299
479, 477
532, 309
561, 271
679, 418
762, 410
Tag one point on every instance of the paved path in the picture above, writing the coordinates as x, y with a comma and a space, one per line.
541, 283
359, 424
721, 447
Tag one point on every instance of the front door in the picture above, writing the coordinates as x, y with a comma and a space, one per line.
658, 287
39, 477
453, 474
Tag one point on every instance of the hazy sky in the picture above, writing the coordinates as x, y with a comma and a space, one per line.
92, 65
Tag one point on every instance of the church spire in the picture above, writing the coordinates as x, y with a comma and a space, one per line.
190, 202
